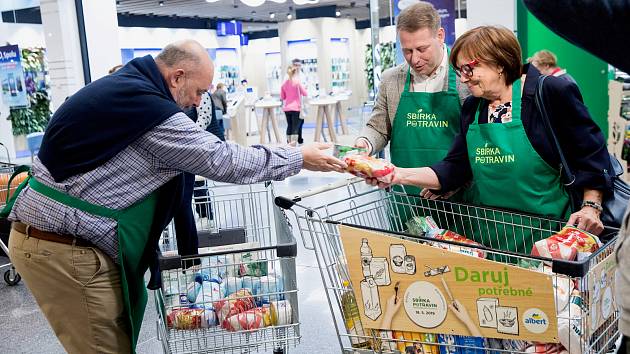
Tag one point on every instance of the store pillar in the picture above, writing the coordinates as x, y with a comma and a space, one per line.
81, 43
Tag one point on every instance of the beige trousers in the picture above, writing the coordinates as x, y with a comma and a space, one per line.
78, 290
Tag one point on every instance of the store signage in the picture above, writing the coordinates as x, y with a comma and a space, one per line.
602, 304
229, 28
12, 77
426, 289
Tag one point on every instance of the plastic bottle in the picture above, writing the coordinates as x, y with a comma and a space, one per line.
366, 257
352, 319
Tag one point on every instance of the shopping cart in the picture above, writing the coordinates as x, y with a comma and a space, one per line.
11, 277
239, 295
352, 203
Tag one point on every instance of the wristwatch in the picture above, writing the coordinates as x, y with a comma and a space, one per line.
592, 204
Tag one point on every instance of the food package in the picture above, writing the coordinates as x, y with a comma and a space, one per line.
470, 345
408, 342
240, 301
250, 283
269, 288
209, 293
251, 319
231, 285
447, 235
570, 325
209, 317
569, 244
422, 225
546, 348
281, 312
185, 318
249, 266
368, 166
447, 344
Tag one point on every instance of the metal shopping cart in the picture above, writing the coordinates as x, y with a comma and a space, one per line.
11, 277
352, 203
239, 295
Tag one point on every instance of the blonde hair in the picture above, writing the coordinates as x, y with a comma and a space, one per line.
492, 45
220, 86
544, 58
292, 70
419, 16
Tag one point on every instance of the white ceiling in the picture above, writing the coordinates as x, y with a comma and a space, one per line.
236, 10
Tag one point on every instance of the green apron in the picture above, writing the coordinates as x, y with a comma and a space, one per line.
134, 225
423, 130
509, 174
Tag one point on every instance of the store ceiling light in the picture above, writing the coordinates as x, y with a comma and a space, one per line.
278, 1
161, 3
338, 13
272, 15
212, 0
253, 3
289, 16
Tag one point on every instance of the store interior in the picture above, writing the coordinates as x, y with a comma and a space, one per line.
254, 41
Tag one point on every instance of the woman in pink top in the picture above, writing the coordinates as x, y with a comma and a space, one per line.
290, 93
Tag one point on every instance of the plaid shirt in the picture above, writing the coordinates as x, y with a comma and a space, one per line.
174, 146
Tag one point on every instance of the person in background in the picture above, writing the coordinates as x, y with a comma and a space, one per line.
106, 182
504, 147
219, 98
291, 92
547, 63
598, 19
424, 86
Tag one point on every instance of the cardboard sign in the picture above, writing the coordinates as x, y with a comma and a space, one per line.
420, 288
601, 284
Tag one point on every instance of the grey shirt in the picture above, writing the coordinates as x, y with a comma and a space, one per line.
378, 129
219, 97
175, 145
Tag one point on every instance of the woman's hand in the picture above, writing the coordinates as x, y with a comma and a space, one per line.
462, 314
393, 305
386, 181
587, 219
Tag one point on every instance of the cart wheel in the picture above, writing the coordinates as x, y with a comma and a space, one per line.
11, 277
278, 351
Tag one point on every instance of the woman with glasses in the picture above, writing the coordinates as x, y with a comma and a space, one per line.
504, 148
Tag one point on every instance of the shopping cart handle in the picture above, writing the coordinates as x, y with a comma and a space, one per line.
286, 202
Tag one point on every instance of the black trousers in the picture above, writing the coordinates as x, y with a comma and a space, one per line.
293, 122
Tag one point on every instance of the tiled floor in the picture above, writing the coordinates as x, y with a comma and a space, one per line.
23, 328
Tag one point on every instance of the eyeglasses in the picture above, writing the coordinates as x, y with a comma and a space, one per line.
467, 69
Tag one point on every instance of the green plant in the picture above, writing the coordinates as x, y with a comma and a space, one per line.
35, 117
388, 59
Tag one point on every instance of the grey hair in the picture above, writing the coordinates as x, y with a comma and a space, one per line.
175, 53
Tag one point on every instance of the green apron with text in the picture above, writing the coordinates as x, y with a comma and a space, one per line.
134, 225
423, 131
509, 174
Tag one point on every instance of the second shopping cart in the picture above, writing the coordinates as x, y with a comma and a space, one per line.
394, 289
239, 294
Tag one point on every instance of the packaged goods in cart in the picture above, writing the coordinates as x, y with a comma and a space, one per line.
251, 319
209, 292
230, 285
209, 318
408, 342
447, 235
281, 312
368, 166
569, 244
185, 318
422, 225
570, 324
238, 302
249, 266
546, 348
269, 288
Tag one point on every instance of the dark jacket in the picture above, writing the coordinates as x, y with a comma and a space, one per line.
581, 139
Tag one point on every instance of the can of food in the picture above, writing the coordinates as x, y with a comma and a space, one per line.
281, 312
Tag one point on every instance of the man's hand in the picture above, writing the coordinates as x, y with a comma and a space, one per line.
316, 160
362, 143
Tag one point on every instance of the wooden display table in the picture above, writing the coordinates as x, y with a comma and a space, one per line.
324, 108
268, 107
339, 113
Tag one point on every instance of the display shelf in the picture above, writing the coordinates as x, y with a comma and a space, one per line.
273, 66
306, 50
340, 65
228, 72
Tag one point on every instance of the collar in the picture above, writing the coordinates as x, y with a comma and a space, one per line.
558, 72
441, 68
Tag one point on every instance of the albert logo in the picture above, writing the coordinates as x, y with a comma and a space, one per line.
536, 321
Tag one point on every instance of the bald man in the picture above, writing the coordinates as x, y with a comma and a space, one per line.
105, 183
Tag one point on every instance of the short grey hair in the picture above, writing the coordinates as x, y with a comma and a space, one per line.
175, 53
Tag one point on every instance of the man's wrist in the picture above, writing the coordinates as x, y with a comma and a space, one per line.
593, 205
